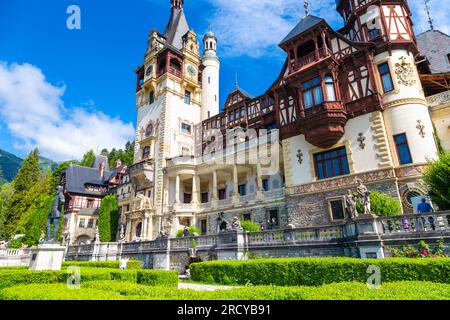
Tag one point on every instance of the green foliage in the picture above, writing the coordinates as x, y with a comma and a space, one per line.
88, 159
27, 178
421, 251
108, 218
383, 205
115, 290
250, 226
157, 278
318, 271
192, 232
436, 176
6, 192
132, 264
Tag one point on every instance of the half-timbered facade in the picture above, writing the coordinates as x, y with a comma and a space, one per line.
348, 105
84, 189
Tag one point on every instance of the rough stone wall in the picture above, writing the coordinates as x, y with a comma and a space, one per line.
312, 209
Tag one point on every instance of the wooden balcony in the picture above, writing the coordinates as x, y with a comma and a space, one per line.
310, 59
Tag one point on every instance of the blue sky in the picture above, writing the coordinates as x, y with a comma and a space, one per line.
67, 91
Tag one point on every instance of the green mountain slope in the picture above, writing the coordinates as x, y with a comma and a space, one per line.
10, 164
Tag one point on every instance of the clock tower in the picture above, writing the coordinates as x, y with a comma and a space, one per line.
168, 102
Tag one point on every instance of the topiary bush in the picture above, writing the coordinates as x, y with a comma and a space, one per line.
383, 205
318, 271
132, 264
250, 226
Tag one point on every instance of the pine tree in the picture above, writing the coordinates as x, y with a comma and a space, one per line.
88, 159
28, 174
26, 178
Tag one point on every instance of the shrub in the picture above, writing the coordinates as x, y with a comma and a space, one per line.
250, 226
99, 290
436, 177
318, 271
132, 264
157, 277
108, 217
192, 231
55, 292
383, 205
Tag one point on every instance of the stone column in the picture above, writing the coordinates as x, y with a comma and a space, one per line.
259, 186
195, 189
144, 227
177, 189
236, 197
215, 193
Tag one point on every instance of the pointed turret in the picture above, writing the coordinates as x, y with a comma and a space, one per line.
177, 26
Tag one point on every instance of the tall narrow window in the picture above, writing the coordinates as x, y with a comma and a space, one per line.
187, 97
331, 163
265, 184
209, 79
209, 114
146, 152
386, 78
242, 189
152, 97
329, 86
404, 155
312, 92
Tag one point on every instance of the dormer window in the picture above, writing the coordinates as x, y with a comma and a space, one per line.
312, 93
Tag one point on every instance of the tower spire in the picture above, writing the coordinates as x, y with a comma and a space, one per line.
427, 8
236, 81
306, 5
178, 4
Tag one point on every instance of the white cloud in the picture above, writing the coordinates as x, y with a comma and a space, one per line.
34, 112
256, 27
439, 11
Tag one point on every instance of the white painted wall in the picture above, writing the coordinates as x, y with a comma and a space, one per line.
210, 87
363, 159
403, 119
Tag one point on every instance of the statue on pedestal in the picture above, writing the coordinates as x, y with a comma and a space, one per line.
222, 223
97, 236
55, 215
122, 233
236, 224
364, 196
350, 205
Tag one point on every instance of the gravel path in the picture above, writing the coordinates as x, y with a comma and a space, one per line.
202, 287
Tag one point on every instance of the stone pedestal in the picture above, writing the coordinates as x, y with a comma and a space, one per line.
369, 242
48, 256
231, 245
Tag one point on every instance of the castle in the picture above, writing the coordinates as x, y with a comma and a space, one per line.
348, 105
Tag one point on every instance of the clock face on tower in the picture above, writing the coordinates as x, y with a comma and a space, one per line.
149, 71
191, 70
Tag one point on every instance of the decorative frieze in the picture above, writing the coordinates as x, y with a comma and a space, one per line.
341, 182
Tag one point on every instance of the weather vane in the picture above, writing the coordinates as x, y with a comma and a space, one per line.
427, 8
306, 5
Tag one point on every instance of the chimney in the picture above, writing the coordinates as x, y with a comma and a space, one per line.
102, 170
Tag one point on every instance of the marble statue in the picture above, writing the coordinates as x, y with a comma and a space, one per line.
222, 223
364, 196
54, 217
236, 224
350, 205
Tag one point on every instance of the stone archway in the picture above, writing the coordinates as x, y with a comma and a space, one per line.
83, 239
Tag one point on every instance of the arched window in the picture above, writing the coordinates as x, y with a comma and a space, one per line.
329, 87
146, 153
149, 130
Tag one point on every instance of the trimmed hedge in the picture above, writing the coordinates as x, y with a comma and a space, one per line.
132, 264
148, 277
157, 278
318, 271
100, 290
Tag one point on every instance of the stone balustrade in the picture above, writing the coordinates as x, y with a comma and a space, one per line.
416, 223
286, 236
